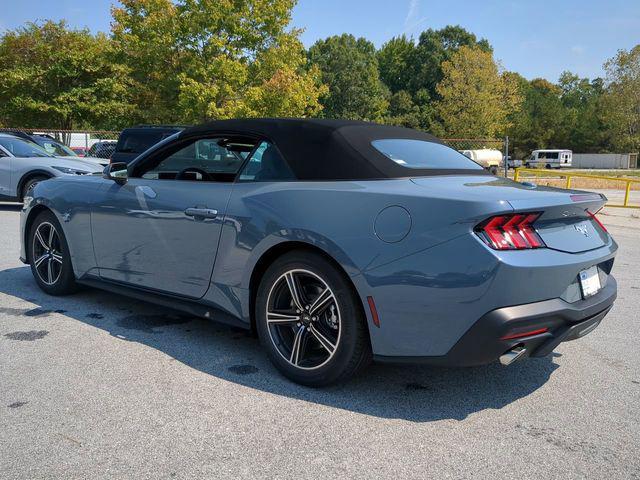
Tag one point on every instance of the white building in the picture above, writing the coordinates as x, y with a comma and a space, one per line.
605, 160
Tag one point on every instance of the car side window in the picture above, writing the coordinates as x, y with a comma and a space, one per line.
266, 165
209, 159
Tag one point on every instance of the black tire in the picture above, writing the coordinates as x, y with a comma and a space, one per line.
547, 166
30, 184
58, 270
352, 350
493, 170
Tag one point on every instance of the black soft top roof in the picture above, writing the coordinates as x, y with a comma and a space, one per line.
318, 149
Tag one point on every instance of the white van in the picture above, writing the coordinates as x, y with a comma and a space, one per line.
550, 158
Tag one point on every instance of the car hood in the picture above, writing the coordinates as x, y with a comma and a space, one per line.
93, 160
76, 162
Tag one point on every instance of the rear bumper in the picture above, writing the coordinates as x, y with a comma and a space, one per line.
484, 342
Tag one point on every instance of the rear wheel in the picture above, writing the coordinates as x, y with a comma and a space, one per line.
493, 170
310, 322
49, 256
30, 185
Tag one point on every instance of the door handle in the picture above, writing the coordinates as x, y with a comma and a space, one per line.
201, 212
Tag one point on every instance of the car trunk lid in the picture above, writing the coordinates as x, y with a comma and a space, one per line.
565, 224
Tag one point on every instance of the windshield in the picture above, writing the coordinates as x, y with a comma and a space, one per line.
421, 154
21, 148
55, 148
138, 142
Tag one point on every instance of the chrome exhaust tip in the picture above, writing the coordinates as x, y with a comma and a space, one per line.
512, 355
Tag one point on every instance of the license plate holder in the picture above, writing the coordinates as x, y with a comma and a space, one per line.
589, 282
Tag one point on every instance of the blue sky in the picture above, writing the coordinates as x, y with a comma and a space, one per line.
535, 38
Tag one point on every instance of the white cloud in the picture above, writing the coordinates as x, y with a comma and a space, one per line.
412, 13
412, 21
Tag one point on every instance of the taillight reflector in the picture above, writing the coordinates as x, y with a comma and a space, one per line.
525, 334
510, 232
374, 312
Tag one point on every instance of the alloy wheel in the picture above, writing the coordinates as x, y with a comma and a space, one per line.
47, 253
303, 319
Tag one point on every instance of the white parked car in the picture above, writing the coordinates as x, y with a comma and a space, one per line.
23, 164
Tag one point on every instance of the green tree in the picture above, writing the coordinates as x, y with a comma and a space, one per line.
56, 77
398, 64
542, 120
196, 60
435, 47
476, 99
622, 100
416, 68
583, 116
349, 68
145, 34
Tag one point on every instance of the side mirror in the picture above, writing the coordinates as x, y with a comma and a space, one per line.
117, 172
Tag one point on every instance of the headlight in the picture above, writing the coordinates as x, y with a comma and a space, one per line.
71, 171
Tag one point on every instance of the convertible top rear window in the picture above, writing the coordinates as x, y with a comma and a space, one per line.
422, 154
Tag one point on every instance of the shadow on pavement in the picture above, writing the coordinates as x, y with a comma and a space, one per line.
414, 393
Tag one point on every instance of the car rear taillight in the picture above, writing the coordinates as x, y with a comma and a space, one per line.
510, 232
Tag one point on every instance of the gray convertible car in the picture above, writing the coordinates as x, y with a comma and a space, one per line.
337, 242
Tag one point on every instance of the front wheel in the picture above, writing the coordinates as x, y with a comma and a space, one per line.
49, 256
310, 320
30, 185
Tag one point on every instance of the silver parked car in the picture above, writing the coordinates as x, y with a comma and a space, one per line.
23, 164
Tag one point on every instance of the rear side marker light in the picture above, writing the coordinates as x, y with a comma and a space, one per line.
525, 334
510, 232
374, 311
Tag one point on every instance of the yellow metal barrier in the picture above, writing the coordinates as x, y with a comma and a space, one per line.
569, 175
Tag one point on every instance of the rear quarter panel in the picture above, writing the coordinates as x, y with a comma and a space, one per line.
338, 218
430, 287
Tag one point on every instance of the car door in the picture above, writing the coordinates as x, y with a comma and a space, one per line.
160, 230
5, 174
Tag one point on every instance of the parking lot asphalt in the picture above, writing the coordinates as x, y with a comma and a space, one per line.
99, 386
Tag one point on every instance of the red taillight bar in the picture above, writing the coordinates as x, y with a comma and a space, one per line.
597, 220
510, 232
